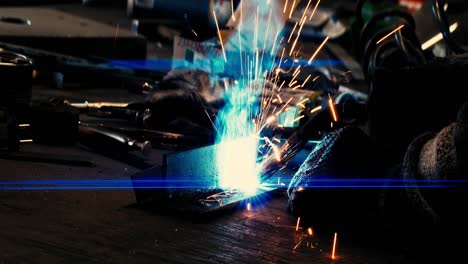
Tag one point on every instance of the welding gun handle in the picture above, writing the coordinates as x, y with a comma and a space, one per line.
357, 112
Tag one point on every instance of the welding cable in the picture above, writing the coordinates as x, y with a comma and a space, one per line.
441, 17
374, 53
397, 16
389, 48
409, 49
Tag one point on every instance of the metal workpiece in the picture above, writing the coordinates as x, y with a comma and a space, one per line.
187, 182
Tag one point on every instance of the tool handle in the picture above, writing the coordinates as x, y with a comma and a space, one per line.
110, 141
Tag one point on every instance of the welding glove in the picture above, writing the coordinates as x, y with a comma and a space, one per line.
346, 153
442, 156
407, 102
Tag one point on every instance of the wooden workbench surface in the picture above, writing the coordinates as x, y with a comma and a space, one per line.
107, 227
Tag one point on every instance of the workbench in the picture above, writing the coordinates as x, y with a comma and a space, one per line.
106, 226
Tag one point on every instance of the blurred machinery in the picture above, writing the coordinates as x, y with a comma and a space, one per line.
197, 17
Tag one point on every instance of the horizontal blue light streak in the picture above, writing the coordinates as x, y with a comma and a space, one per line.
49, 188
168, 64
180, 180
185, 183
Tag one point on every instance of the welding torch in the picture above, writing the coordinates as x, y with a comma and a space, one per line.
350, 113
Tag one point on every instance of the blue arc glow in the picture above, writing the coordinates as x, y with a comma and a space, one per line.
250, 54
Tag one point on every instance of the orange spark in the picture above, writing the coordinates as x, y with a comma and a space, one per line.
298, 222
316, 109
298, 243
316, 78
301, 23
293, 83
299, 118
279, 98
389, 34
334, 246
281, 86
310, 231
332, 109
306, 80
297, 71
232, 11
195, 33
318, 49
315, 9
276, 151
274, 43
285, 105
219, 35
274, 148
285, 5
292, 32
292, 8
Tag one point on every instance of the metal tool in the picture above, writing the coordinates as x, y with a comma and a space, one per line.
164, 139
111, 142
136, 113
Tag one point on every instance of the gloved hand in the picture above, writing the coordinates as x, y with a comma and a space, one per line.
346, 153
442, 156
